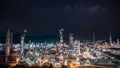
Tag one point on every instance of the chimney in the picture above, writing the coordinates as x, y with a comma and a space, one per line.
11, 39
8, 44
94, 36
110, 38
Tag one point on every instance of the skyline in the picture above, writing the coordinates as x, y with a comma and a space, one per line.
48, 16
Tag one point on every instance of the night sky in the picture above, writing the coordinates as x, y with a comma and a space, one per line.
48, 16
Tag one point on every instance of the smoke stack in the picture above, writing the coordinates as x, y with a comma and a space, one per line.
94, 36
11, 38
110, 38
110, 34
8, 44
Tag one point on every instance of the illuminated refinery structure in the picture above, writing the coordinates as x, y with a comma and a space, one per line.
76, 52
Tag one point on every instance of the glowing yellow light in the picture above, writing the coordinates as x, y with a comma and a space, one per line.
54, 49
65, 62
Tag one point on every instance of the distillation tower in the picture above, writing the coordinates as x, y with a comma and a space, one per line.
61, 36
22, 48
71, 39
61, 39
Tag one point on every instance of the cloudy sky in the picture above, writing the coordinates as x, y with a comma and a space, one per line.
48, 16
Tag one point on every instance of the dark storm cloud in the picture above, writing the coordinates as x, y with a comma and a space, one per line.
47, 16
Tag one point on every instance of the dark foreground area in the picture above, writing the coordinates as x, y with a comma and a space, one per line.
25, 66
